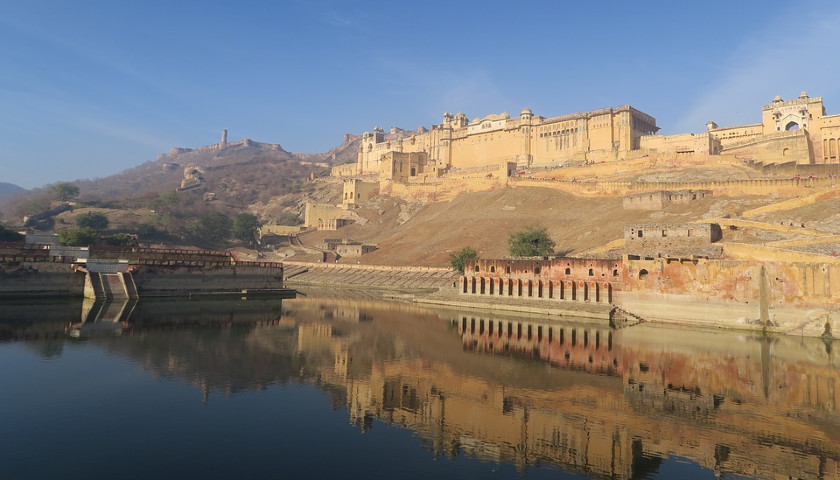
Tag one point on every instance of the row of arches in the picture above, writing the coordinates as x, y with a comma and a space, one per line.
513, 330
571, 290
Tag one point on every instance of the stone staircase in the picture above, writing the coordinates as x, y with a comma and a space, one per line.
621, 318
104, 286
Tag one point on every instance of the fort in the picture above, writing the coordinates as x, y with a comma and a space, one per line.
495, 147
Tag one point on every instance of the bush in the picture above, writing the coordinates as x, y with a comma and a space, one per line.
120, 240
213, 228
81, 237
147, 231
459, 259
93, 220
531, 242
288, 218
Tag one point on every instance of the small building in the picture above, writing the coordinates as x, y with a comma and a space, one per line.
354, 249
673, 240
356, 191
660, 199
559, 279
322, 216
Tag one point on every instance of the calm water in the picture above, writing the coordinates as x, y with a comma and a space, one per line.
341, 388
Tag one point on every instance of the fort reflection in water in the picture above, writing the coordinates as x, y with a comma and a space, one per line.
527, 391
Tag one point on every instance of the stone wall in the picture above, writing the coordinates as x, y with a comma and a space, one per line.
665, 240
780, 147
680, 144
165, 280
40, 279
783, 296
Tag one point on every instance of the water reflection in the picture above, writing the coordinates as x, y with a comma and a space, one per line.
520, 390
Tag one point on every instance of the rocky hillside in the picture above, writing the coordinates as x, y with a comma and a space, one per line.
234, 177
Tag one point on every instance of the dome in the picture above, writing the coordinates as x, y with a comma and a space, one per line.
526, 111
803, 95
777, 99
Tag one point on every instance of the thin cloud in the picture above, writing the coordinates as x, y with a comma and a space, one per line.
470, 89
66, 44
780, 60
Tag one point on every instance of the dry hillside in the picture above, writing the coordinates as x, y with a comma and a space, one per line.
416, 234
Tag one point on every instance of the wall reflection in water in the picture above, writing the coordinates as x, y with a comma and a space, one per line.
527, 391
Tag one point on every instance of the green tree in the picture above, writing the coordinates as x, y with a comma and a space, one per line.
531, 242
458, 259
245, 226
147, 231
212, 228
120, 240
165, 205
65, 191
96, 220
81, 237
288, 218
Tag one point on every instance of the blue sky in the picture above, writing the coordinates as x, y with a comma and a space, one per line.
90, 88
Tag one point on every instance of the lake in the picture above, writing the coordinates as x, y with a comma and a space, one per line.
359, 387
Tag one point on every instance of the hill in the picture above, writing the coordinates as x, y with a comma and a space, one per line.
7, 188
585, 221
229, 178
417, 234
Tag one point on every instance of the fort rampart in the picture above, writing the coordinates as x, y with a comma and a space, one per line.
783, 296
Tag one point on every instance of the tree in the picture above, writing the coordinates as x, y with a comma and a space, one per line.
147, 231
94, 220
531, 242
165, 205
81, 237
245, 226
65, 191
120, 240
212, 228
460, 258
288, 218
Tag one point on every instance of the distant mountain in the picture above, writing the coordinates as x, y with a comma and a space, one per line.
6, 188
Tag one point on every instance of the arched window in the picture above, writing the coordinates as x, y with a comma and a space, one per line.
643, 274
492, 269
568, 271
792, 126
615, 272
476, 267
591, 272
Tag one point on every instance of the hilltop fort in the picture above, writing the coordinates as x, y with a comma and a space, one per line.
795, 131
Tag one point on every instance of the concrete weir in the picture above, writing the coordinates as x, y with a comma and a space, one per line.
135, 273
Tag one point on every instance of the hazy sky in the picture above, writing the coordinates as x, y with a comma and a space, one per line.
90, 88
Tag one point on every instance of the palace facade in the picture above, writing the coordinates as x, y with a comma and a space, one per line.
528, 139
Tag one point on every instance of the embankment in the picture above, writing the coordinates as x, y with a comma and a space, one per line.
40, 279
407, 279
